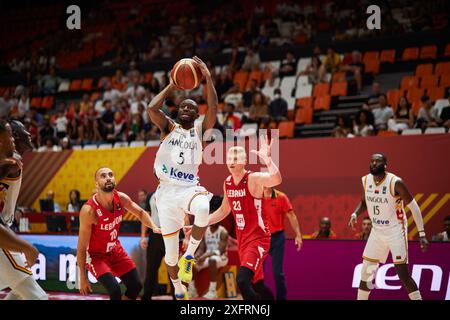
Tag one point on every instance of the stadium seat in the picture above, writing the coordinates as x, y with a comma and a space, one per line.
152, 143
302, 81
36, 102
322, 102
414, 94
445, 80
304, 115
90, 147
428, 52
370, 56
339, 89
87, 84
303, 91
64, 86
95, 96
48, 102
302, 64
338, 76
429, 81
387, 56
305, 102
121, 144
409, 82
415, 106
442, 68
75, 85
436, 93
134, 144
77, 147
254, 75
424, 69
438, 130
393, 96
386, 133
286, 129
105, 146
148, 77
410, 54
241, 78
286, 86
372, 66
409, 132
321, 89
447, 50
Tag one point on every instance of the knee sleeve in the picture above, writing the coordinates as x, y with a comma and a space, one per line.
172, 248
200, 209
368, 271
132, 283
29, 289
111, 285
244, 281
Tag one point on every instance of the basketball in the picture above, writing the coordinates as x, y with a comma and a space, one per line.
186, 74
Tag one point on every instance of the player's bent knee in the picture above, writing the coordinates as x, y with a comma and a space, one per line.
368, 270
200, 208
244, 278
29, 289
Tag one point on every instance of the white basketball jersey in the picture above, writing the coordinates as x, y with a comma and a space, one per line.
212, 239
384, 208
9, 192
179, 156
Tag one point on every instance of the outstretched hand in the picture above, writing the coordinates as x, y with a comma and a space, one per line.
203, 67
264, 150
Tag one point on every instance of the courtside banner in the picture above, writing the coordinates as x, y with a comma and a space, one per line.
322, 270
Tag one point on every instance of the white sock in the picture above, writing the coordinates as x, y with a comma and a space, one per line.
363, 295
212, 286
192, 246
415, 295
177, 285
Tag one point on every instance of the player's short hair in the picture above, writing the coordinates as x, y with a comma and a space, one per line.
367, 218
382, 156
189, 101
96, 172
239, 151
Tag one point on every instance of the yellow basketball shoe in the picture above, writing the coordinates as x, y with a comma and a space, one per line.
185, 266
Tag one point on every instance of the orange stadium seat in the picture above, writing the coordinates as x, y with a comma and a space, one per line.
442, 68
445, 80
95, 96
148, 77
387, 56
75, 85
429, 81
304, 115
371, 56
322, 102
409, 82
386, 133
410, 54
424, 69
416, 105
286, 129
290, 115
255, 75
48, 102
241, 78
87, 84
305, 102
436, 93
447, 50
414, 94
428, 52
338, 76
393, 95
36, 102
372, 66
339, 89
321, 89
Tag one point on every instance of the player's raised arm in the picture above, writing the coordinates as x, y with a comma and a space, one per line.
268, 179
211, 97
359, 209
87, 219
222, 212
154, 111
410, 202
138, 212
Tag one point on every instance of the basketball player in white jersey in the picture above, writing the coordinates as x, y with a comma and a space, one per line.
384, 197
176, 166
14, 269
211, 254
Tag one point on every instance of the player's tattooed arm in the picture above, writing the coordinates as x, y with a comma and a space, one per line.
87, 219
138, 212
222, 212
154, 111
362, 207
211, 96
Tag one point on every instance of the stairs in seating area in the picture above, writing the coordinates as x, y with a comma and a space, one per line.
324, 120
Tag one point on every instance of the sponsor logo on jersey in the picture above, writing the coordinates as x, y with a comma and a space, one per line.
99, 212
384, 189
376, 199
380, 222
164, 169
236, 193
183, 144
177, 174
119, 207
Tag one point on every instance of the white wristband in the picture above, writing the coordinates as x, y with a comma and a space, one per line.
354, 216
422, 234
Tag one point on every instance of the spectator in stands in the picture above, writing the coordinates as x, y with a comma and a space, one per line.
247, 96
85, 103
137, 129
224, 83
154, 87
312, 70
119, 128
363, 124
288, 66
234, 97
325, 231
6, 104
366, 227
427, 116
278, 107
119, 81
342, 128
382, 113
444, 236
403, 117
61, 123
331, 64
50, 82
259, 110
89, 130
228, 119
277, 208
65, 144
372, 101
354, 70
156, 51
23, 105
252, 60
107, 119
47, 131
75, 202
51, 197
111, 94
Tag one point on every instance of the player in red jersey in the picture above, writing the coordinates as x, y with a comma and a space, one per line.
98, 246
243, 191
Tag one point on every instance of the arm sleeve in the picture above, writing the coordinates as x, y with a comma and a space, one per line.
416, 214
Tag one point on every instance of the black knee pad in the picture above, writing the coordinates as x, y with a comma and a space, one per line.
132, 283
111, 285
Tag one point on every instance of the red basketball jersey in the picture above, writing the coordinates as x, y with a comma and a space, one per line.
251, 223
105, 233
